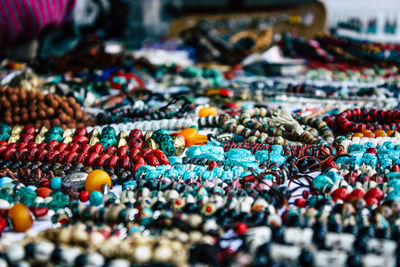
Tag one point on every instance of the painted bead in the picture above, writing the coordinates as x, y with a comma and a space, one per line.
20, 217
96, 180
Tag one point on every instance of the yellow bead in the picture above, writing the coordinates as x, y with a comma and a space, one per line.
96, 180
20, 217
208, 111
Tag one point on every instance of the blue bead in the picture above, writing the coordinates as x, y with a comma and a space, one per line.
5, 180
96, 198
56, 183
32, 187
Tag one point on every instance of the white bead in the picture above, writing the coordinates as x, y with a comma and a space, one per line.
43, 251
4, 204
119, 263
95, 260
15, 252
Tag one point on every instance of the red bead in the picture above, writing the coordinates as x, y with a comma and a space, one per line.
161, 157
357, 193
111, 150
80, 139
80, 131
123, 151
300, 202
29, 129
329, 164
372, 150
136, 143
136, 167
97, 148
74, 147
42, 146
212, 165
9, 153
61, 147
125, 162
81, 157
371, 201
4, 143
43, 192
112, 162
51, 156
91, 159
139, 159
340, 193
45, 183
52, 145
85, 148
145, 151
134, 152
305, 194
21, 152
102, 159
375, 193
40, 156
27, 138
62, 155
135, 134
39, 211
71, 156
84, 196
395, 168
32, 154
151, 160
240, 228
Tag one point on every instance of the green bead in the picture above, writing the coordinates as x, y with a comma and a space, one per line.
96, 198
56, 183
5, 128
56, 130
108, 131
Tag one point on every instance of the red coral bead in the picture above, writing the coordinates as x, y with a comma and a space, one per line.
139, 159
136, 143
212, 165
102, 159
134, 152
52, 145
145, 151
80, 140
111, 150
340, 193
91, 159
40, 156
32, 154
395, 168
136, 167
51, 156
97, 148
329, 164
135, 134
123, 151
29, 129
9, 154
71, 156
74, 147
300, 202
80, 131
125, 162
160, 155
371, 201
81, 157
113, 161
84, 196
240, 228
357, 193
375, 193
372, 150
151, 160
61, 147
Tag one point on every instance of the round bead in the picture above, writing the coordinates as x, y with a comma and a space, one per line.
56, 183
84, 196
240, 228
96, 180
96, 198
43, 192
380, 133
20, 217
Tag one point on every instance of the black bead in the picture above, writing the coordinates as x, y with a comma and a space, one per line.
354, 261
278, 234
360, 244
30, 250
306, 259
56, 255
81, 260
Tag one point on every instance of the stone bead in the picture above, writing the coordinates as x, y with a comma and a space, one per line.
96, 198
56, 183
96, 180
380, 133
20, 217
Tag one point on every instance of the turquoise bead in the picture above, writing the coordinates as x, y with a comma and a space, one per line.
56, 183
96, 198
5, 180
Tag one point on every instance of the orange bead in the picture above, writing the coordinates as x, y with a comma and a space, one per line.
366, 131
380, 133
358, 135
369, 135
43, 192
192, 137
20, 217
96, 180
208, 111
390, 132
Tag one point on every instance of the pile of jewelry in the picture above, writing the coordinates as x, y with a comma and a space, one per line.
123, 162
